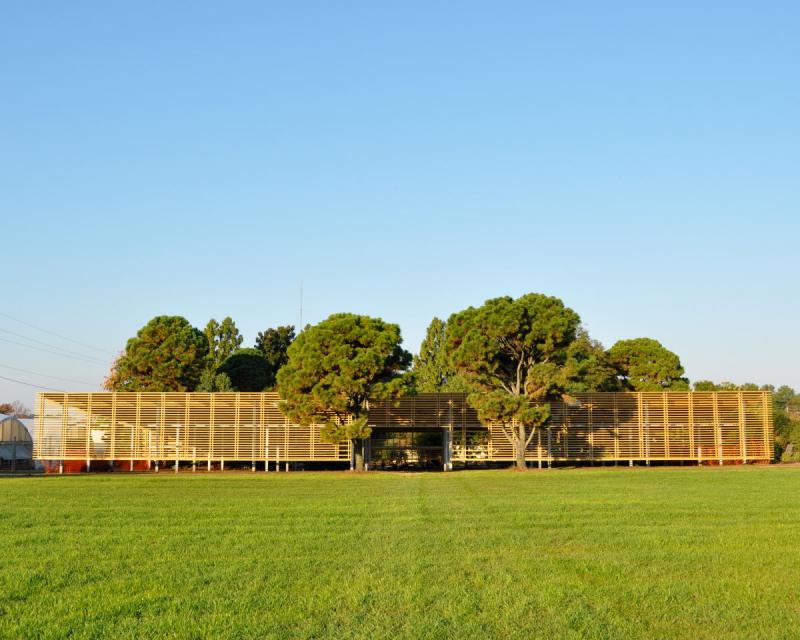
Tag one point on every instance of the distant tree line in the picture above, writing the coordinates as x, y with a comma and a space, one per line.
511, 356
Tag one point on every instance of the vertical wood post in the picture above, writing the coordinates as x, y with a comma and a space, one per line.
162, 419
88, 432
539, 446
717, 428
766, 430
591, 430
136, 432
742, 429
640, 421
253, 433
177, 447
113, 434
665, 416
616, 429
187, 438
237, 427
646, 407
64, 415
691, 423
38, 428
211, 421
448, 453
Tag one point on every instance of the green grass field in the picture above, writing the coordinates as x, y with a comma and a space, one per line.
600, 553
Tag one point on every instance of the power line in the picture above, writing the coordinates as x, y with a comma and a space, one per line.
63, 355
29, 384
52, 346
57, 335
45, 375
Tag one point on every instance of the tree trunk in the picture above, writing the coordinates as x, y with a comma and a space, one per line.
520, 447
358, 450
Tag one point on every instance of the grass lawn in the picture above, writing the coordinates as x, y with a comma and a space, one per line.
600, 553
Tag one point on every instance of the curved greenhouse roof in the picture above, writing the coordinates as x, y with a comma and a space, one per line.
15, 439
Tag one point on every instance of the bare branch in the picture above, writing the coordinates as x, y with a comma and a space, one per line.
510, 438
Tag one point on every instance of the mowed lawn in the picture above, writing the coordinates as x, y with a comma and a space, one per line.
601, 553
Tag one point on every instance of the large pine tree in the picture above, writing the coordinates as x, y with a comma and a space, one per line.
335, 368
167, 354
513, 355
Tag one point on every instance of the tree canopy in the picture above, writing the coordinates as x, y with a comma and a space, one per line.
335, 367
644, 364
246, 369
213, 381
274, 345
704, 385
512, 355
588, 366
223, 339
167, 354
432, 370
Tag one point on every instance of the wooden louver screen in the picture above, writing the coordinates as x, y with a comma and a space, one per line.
672, 426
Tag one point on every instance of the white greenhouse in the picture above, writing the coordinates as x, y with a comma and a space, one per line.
16, 444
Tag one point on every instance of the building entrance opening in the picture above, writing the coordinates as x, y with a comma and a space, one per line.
406, 450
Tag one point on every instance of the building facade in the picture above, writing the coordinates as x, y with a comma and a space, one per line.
426, 430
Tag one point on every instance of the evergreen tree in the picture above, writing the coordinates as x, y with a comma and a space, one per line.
211, 381
247, 370
588, 367
644, 364
335, 368
513, 354
432, 371
223, 339
274, 345
167, 354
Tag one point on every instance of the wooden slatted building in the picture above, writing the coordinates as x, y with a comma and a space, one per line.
723, 426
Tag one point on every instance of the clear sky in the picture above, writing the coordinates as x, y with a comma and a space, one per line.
404, 160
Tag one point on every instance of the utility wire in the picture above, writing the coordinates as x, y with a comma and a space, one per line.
52, 346
64, 355
57, 335
45, 375
29, 384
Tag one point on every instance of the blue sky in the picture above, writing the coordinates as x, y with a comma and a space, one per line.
404, 160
